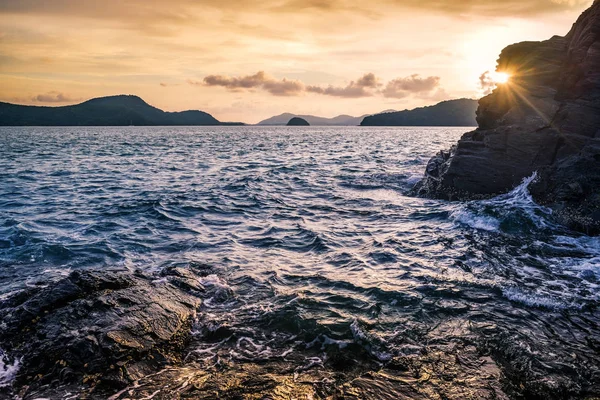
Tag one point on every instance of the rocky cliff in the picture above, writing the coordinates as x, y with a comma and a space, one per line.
545, 119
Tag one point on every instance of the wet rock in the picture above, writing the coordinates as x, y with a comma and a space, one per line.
458, 373
98, 327
545, 119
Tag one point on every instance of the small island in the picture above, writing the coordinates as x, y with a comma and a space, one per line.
296, 121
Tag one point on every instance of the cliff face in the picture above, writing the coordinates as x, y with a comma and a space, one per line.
545, 119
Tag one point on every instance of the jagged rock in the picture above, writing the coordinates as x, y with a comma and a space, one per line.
99, 327
545, 119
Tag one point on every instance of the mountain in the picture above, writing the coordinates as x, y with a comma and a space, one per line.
340, 120
459, 112
104, 111
546, 122
298, 122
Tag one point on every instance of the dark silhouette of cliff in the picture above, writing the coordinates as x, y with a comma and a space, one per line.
545, 119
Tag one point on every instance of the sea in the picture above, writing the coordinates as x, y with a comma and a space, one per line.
320, 259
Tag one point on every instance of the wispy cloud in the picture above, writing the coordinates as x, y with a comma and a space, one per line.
486, 83
400, 88
182, 11
53, 97
260, 80
362, 87
367, 85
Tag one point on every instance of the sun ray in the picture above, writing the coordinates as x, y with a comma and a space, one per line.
500, 77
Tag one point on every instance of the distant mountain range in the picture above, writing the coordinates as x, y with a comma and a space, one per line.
340, 120
123, 110
119, 110
459, 112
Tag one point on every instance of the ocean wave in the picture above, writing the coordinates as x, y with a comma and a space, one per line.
533, 299
370, 342
515, 212
309, 253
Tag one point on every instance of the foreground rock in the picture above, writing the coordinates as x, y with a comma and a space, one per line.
545, 119
100, 330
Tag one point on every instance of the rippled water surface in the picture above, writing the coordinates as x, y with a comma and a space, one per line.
318, 260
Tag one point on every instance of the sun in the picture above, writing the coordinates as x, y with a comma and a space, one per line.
500, 77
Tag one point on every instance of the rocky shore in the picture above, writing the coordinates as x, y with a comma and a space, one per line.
118, 335
97, 331
546, 119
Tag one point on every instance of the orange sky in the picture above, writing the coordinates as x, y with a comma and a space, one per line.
248, 60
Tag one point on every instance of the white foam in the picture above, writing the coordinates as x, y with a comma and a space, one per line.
534, 300
357, 332
475, 221
325, 340
517, 202
8, 371
214, 281
413, 179
220, 290
367, 342
311, 362
57, 271
7, 295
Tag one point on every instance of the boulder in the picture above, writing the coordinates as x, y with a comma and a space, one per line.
98, 328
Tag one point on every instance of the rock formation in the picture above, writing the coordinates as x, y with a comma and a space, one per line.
545, 119
296, 121
98, 328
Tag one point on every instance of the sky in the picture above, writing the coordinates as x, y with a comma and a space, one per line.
248, 60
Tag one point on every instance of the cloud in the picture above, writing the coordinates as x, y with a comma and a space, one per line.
53, 97
185, 11
284, 87
351, 91
401, 88
260, 80
362, 87
234, 83
368, 81
367, 85
486, 83
355, 89
167, 84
